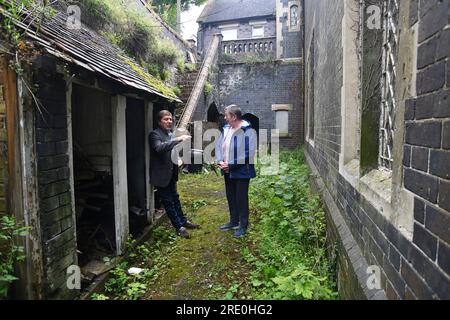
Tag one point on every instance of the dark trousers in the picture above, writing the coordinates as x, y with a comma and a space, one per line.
171, 201
237, 196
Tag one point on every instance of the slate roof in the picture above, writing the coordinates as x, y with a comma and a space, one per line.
89, 50
227, 10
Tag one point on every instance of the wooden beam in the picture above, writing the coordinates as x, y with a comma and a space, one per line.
25, 140
119, 151
70, 151
150, 203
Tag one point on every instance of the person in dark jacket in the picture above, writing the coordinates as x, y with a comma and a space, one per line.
235, 153
164, 172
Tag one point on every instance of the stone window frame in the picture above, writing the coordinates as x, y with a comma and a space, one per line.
228, 27
282, 108
291, 4
258, 24
258, 27
310, 91
383, 188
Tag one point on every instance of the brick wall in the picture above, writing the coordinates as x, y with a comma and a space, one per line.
427, 149
416, 268
57, 224
255, 88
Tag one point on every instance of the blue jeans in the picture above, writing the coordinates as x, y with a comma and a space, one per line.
237, 196
171, 201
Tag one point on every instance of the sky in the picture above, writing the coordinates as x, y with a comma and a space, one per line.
188, 21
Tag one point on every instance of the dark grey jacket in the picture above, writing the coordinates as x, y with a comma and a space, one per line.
161, 166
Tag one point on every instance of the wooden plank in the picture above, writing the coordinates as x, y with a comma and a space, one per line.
119, 151
69, 90
22, 186
150, 190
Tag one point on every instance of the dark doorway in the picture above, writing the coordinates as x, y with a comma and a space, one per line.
137, 187
93, 177
213, 114
253, 120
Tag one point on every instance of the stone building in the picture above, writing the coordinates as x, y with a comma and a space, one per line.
259, 63
377, 78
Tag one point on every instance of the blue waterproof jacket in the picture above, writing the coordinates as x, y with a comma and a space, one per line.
242, 151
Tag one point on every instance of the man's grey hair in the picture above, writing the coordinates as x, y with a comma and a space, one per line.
163, 113
235, 111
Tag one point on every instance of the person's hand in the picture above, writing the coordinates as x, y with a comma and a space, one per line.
183, 138
224, 166
180, 163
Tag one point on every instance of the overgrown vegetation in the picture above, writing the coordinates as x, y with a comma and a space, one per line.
167, 9
282, 257
10, 252
149, 257
19, 51
208, 88
136, 33
290, 260
250, 59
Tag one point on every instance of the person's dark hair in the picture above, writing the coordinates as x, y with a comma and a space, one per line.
235, 111
162, 114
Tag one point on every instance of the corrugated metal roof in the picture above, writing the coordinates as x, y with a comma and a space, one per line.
228, 10
87, 49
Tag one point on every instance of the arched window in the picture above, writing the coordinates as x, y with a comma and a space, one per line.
294, 16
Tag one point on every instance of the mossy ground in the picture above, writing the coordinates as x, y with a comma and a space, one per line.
210, 264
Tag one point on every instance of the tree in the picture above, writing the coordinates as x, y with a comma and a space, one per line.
167, 9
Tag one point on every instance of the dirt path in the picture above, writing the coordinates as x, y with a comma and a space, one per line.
209, 265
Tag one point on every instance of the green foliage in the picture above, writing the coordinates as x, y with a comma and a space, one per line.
208, 88
149, 257
24, 11
134, 32
191, 67
290, 261
259, 57
99, 296
167, 9
176, 90
10, 252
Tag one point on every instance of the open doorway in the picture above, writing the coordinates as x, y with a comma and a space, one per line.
253, 120
136, 174
213, 115
93, 177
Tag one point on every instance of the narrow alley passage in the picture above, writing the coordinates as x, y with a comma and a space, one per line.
282, 257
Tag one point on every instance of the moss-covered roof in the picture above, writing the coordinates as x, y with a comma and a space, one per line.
90, 50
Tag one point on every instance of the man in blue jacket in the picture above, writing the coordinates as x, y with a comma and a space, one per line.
235, 153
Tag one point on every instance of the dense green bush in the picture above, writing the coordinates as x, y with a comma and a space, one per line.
291, 260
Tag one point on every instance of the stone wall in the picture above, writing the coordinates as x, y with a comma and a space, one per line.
207, 31
412, 266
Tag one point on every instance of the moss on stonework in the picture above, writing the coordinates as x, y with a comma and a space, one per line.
151, 81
